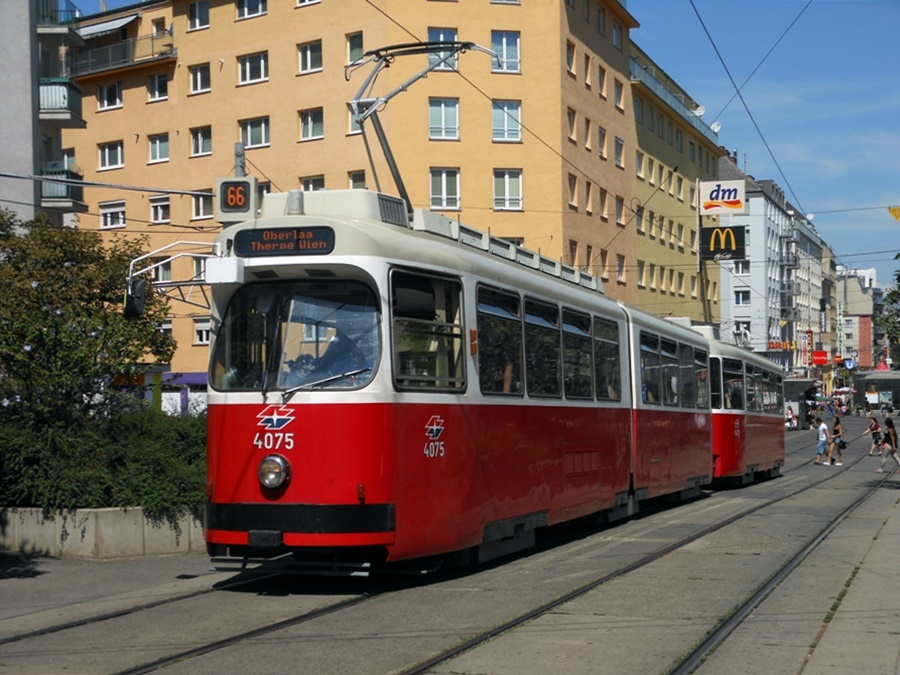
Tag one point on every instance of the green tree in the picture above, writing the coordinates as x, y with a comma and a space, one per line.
64, 343
890, 316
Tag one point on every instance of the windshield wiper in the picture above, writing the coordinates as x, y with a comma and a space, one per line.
287, 393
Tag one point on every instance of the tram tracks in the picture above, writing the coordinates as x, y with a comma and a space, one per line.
346, 612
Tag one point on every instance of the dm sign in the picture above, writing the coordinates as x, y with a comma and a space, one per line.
722, 243
317, 240
722, 197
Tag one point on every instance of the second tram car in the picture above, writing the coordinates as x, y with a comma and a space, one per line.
748, 413
386, 388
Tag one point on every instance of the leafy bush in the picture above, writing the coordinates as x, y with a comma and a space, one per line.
144, 458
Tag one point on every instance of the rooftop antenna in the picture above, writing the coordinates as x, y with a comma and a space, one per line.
364, 106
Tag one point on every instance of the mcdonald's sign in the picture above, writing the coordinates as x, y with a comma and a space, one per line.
722, 243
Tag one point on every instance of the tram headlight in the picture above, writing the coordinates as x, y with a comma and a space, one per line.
273, 471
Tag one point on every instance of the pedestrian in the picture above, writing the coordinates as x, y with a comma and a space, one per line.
837, 442
789, 420
889, 445
875, 430
824, 437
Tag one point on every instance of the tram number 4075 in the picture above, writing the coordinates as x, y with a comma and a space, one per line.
273, 440
434, 449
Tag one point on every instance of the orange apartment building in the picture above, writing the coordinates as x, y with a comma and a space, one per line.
539, 145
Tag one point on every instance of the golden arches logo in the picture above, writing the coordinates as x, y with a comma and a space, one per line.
724, 235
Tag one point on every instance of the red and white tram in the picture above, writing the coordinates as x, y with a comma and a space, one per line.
747, 395
384, 388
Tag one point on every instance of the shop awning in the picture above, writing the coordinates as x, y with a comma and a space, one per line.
105, 27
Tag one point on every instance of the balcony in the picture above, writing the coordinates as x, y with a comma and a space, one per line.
57, 13
790, 288
790, 260
60, 103
641, 74
62, 196
125, 54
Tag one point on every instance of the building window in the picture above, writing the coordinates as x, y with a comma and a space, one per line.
507, 121
442, 35
601, 141
573, 191
742, 297
640, 273
303, 3
354, 47
255, 132
198, 15
506, 45
310, 56
601, 19
620, 210
109, 96
588, 197
311, 124
619, 94
445, 189
570, 118
250, 8
202, 205
604, 263
741, 267
158, 87
620, 268
603, 199
162, 269
159, 210
201, 331
201, 141
112, 214
443, 118
620, 153
312, 183
112, 155
617, 35
601, 81
570, 57
639, 164
253, 68
200, 80
159, 148
639, 220
638, 104
357, 180
507, 189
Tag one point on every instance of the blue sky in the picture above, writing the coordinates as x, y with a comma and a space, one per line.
820, 116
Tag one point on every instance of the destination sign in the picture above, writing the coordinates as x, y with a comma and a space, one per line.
317, 240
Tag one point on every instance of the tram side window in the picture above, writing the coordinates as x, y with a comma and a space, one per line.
577, 367
733, 376
715, 383
607, 371
499, 342
427, 332
687, 376
776, 383
542, 351
650, 373
702, 375
667, 350
754, 393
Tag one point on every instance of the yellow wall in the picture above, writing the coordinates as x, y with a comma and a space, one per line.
546, 155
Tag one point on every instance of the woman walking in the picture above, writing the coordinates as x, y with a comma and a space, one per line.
837, 441
875, 430
890, 444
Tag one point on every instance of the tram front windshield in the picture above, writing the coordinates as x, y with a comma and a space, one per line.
296, 336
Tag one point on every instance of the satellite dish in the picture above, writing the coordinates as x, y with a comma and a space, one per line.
715, 126
699, 111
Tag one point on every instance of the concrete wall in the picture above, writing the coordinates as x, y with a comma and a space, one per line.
96, 533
